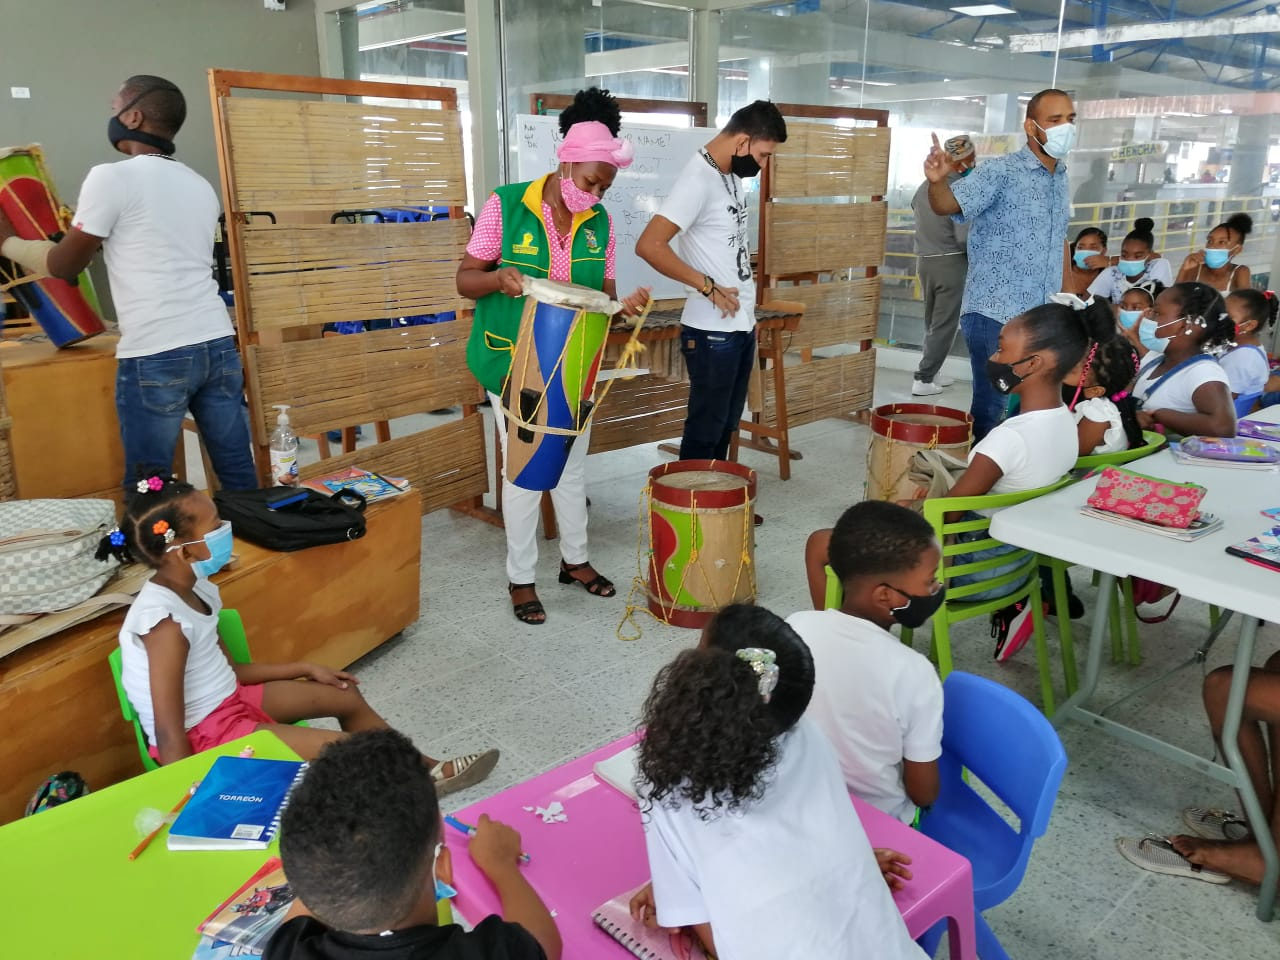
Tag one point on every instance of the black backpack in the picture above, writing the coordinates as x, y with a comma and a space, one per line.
311, 522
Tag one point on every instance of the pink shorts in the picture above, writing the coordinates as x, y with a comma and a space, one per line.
235, 717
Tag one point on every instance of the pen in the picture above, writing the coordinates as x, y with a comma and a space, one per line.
470, 831
146, 841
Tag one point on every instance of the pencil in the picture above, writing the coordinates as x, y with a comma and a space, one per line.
470, 831
146, 841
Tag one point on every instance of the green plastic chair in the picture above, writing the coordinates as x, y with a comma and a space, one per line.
1154, 442
955, 607
232, 634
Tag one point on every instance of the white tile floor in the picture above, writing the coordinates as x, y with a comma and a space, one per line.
467, 676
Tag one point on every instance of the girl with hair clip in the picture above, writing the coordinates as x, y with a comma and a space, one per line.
1246, 364
1137, 303
1088, 260
189, 694
747, 818
1180, 388
1138, 263
1212, 264
1098, 397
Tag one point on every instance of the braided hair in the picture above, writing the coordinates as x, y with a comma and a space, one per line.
154, 518
1207, 311
1115, 364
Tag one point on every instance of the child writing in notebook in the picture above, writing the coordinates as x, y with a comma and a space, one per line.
188, 693
753, 842
1247, 365
363, 847
878, 701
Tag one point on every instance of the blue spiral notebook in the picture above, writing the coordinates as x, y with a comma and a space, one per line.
237, 805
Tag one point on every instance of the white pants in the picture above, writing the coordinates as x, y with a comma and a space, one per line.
521, 508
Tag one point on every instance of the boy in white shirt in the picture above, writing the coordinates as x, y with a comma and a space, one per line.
878, 701
155, 220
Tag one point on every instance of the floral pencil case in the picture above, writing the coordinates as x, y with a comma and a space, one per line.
1149, 499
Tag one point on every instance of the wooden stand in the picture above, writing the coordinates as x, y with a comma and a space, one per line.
66, 438
330, 605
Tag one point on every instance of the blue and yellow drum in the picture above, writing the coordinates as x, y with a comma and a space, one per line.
548, 395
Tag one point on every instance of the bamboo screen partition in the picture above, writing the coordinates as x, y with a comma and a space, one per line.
305, 159
822, 236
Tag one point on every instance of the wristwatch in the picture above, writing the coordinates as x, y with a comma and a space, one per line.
708, 286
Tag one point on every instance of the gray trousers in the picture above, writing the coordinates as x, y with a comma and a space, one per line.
942, 282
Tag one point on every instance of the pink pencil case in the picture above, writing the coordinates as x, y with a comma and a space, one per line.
1149, 499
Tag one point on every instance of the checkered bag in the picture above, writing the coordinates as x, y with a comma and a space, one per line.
46, 553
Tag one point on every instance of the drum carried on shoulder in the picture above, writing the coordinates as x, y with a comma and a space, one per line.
67, 312
548, 395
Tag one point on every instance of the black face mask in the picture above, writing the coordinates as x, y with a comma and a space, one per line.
918, 609
117, 131
745, 166
1069, 393
1002, 377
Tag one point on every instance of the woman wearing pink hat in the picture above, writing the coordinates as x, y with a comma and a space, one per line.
553, 227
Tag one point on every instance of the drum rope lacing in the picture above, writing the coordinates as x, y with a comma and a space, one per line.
640, 584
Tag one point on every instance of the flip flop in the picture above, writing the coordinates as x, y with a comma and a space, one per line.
1157, 855
468, 770
1214, 824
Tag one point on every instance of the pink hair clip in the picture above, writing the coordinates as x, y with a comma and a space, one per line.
1119, 396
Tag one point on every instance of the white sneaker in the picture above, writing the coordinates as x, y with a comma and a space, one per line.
919, 389
942, 380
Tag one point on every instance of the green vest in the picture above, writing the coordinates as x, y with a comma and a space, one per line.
525, 247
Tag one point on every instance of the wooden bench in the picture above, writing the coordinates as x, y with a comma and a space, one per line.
328, 604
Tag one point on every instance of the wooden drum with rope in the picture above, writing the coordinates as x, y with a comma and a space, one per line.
898, 431
701, 539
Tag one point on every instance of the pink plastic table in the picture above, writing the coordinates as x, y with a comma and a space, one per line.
599, 852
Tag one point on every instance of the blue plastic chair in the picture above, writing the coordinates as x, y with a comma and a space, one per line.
1007, 744
1246, 402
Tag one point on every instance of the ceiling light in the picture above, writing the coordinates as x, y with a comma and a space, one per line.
983, 10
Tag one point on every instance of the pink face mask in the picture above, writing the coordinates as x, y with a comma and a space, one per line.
575, 198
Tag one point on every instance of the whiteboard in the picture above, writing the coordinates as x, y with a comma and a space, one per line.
636, 194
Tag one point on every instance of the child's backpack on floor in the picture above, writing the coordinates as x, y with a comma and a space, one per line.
57, 790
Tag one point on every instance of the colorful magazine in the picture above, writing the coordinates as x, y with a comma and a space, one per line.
1228, 449
372, 486
252, 914
1263, 549
237, 805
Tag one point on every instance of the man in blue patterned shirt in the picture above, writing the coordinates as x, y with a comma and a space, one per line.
1018, 207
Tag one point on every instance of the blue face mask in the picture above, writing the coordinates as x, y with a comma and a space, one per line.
1058, 140
1215, 259
1132, 268
219, 542
1129, 317
1080, 256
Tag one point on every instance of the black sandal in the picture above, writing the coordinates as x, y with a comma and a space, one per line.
600, 586
527, 611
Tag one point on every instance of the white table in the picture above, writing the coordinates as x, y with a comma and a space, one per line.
1053, 526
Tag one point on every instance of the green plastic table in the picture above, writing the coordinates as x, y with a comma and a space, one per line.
68, 888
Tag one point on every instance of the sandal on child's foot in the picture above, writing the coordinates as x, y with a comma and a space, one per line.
532, 611
468, 770
1214, 824
598, 586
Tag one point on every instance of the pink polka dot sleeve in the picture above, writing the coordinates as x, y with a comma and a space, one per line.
610, 260
486, 237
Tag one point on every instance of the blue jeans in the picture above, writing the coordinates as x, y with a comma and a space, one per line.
719, 366
1268, 400
987, 553
153, 395
982, 334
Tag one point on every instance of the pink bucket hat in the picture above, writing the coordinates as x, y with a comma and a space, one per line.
590, 142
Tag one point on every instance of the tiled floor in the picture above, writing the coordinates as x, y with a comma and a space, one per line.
467, 676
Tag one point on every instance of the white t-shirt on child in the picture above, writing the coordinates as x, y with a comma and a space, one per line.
1247, 369
1104, 410
1177, 392
209, 678
1032, 449
878, 701
157, 218
1112, 285
790, 875
710, 208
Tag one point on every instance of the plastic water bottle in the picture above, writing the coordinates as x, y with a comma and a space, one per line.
284, 450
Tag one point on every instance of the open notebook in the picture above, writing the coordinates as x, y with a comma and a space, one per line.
614, 918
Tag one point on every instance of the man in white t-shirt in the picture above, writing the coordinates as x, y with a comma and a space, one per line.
155, 220
878, 701
707, 207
